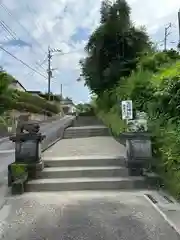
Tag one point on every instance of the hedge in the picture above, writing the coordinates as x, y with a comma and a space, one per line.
24, 106
38, 102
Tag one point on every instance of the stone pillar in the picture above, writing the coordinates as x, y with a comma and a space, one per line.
27, 156
138, 151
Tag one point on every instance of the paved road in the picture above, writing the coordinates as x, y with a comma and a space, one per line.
83, 216
7, 147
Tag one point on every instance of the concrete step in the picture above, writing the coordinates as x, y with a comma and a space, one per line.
78, 134
83, 136
78, 184
87, 131
84, 161
100, 127
78, 129
76, 172
87, 120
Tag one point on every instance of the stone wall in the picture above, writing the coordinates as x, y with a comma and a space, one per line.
15, 115
32, 116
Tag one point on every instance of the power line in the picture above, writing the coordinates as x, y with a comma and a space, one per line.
13, 16
78, 50
13, 34
7, 29
21, 61
40, 65
32, 12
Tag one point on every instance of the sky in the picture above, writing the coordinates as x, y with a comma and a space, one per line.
27, 28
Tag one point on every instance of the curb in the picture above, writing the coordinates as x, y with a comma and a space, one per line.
7, 151
163, 215
51, 144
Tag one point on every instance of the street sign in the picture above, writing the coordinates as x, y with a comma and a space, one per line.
127, 110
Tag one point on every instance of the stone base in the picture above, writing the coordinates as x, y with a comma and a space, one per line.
135, 171
135, 167
153, 179
17, 187
34, 169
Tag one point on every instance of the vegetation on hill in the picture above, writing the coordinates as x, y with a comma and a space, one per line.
158, 94
23, 101
5, 93
149, 77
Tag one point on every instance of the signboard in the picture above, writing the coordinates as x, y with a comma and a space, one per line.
127, 110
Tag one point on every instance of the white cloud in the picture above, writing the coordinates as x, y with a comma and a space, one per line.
55, 23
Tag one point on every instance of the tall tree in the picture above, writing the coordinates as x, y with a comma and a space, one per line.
113, 48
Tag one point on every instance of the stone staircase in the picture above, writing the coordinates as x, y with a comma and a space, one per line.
85, 173
86, 131
80, 168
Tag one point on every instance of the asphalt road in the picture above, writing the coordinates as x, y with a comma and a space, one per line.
97, 216
7, 147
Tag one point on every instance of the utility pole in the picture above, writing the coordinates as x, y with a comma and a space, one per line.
166, 34
49, 70
61, 90
179, 27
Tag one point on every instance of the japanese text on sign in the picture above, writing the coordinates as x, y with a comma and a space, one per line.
127, 111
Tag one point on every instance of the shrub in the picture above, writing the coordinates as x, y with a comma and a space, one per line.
23, 106
158, 94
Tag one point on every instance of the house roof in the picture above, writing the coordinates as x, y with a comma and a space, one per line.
36, 92
16, 81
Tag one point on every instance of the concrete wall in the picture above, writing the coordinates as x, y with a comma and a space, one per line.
32, 116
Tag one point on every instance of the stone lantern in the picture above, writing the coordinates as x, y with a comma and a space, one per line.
138, 151
27, 152
138, 144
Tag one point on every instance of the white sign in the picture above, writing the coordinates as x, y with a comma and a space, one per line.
127, 109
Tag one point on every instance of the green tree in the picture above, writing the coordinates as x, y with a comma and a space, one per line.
113, 48
5, 92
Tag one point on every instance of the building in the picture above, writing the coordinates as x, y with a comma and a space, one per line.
34, 93
68, 106
16, 85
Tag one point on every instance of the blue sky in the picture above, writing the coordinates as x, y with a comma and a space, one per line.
28, 27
